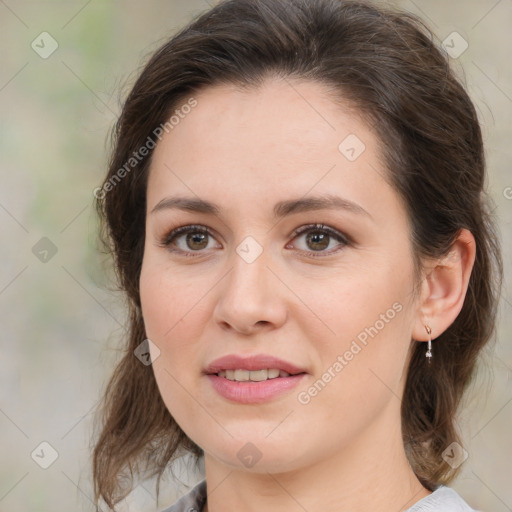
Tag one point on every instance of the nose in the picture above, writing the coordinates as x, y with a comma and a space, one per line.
251, 298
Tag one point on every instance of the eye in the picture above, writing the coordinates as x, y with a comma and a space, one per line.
187, 239
319, 238
191, 239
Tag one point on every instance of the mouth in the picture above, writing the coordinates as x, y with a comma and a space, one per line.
252, 367
253, 378
243, 375
254, 386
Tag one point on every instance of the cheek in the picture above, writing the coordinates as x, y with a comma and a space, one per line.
175, 311
356, 302
366, 338
168, 302
360, 377
170, 310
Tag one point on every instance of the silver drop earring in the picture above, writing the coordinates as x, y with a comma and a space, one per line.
428, 355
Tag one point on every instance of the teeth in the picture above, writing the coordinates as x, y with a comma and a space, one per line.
241, 375
255, 375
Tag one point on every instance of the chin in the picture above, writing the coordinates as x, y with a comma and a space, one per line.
259, 453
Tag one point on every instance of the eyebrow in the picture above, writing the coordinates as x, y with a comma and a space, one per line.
281, 209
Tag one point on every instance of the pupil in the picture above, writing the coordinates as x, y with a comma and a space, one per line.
321, 240
197, 238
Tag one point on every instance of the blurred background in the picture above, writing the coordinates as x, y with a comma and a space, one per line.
64, 69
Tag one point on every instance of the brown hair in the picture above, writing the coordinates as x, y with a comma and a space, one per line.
388, 66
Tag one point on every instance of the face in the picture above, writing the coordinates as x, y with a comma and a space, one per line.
326, 287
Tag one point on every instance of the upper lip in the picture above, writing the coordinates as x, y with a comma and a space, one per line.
254, 362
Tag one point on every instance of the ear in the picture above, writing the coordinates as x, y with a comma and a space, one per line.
444, 287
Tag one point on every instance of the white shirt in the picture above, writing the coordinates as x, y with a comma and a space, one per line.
443, 499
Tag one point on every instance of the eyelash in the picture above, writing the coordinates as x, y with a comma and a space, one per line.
197, 228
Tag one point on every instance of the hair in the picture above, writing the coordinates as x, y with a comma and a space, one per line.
387, 65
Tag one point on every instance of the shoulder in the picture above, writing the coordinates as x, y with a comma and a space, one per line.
443, 499
193, 501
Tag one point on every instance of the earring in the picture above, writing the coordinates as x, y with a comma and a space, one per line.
428, 355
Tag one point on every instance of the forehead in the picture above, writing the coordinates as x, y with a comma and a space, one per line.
283, 138
274, 115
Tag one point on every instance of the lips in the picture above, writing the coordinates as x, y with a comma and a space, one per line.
251, 363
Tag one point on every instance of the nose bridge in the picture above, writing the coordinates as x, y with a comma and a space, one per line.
249, 272
248, 296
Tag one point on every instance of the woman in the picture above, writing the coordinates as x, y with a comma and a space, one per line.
296, 211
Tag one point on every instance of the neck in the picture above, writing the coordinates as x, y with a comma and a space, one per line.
371, 474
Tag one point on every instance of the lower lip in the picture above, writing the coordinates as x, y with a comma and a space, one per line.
249, 392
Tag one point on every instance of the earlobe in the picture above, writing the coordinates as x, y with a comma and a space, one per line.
444, 287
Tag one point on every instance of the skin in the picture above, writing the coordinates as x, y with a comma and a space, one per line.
246, 151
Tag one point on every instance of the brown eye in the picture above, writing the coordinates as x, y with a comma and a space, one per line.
188, 239
317, 241
318, 238
196, 241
